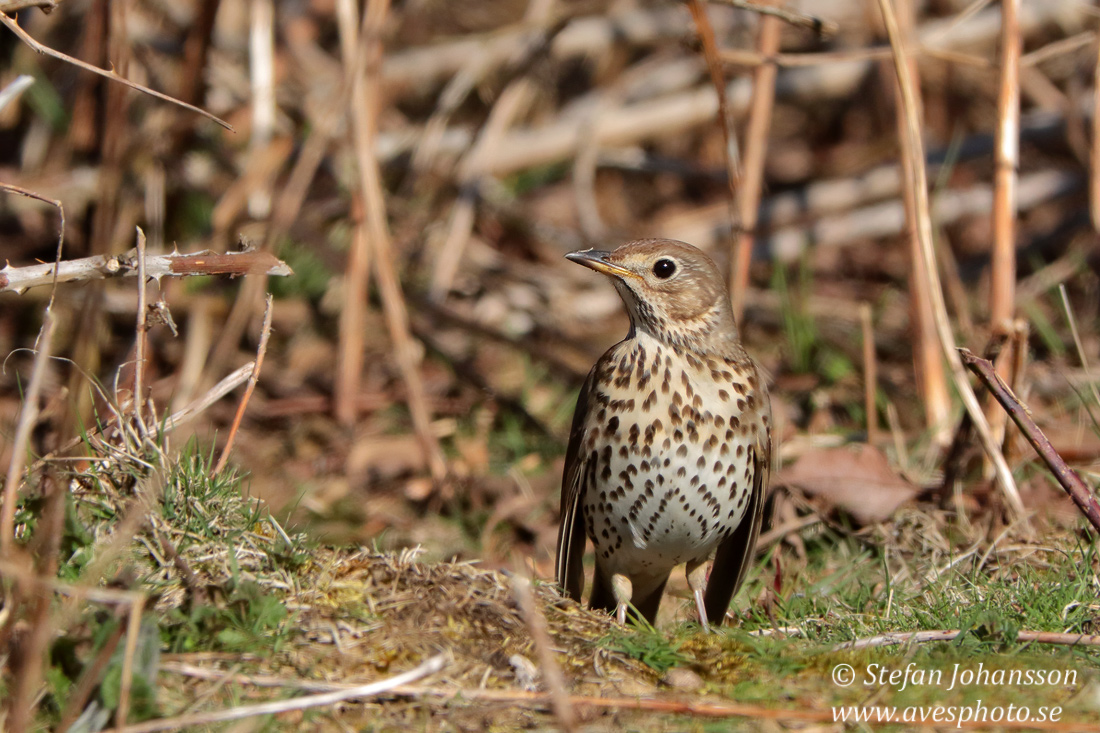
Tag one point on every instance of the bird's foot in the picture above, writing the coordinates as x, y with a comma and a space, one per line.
702, 609
697, 581
623, 590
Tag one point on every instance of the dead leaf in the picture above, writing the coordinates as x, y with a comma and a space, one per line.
857, 479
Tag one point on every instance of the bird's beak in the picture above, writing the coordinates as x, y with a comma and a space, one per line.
596, 259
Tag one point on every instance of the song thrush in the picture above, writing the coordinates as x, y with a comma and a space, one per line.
670, 448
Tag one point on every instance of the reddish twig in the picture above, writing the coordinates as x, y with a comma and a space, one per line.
1021, 415
261, 350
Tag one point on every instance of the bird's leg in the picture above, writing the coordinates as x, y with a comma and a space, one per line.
697, 581
623, 591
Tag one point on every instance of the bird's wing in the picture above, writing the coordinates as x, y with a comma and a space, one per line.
735, 553
571, 537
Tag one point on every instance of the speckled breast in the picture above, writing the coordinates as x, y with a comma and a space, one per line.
668, 465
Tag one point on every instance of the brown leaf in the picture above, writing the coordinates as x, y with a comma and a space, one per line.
857, 479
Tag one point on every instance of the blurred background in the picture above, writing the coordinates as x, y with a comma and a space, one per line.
423, 168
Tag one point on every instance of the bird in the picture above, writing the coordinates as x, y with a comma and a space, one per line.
669, 451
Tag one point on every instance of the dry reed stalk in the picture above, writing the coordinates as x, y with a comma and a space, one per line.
141, 342
1017, 370
195, 51
351, 340
1006, 158
756, 148
366, 102
261, 67
913, 146
552, 676
133, 628
1006, 161
870, 372
928, 362
350, 344
28, 417
670, 113
731, 154
1094, 172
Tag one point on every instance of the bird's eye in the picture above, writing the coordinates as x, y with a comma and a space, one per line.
664, 268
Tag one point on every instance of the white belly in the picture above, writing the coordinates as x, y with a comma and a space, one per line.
679, 476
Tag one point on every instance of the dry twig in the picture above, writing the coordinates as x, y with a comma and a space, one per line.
234, 264
1073, 484
39, 48
551, 671
429, 667
920, 637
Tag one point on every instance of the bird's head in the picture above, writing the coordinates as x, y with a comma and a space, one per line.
673, 291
